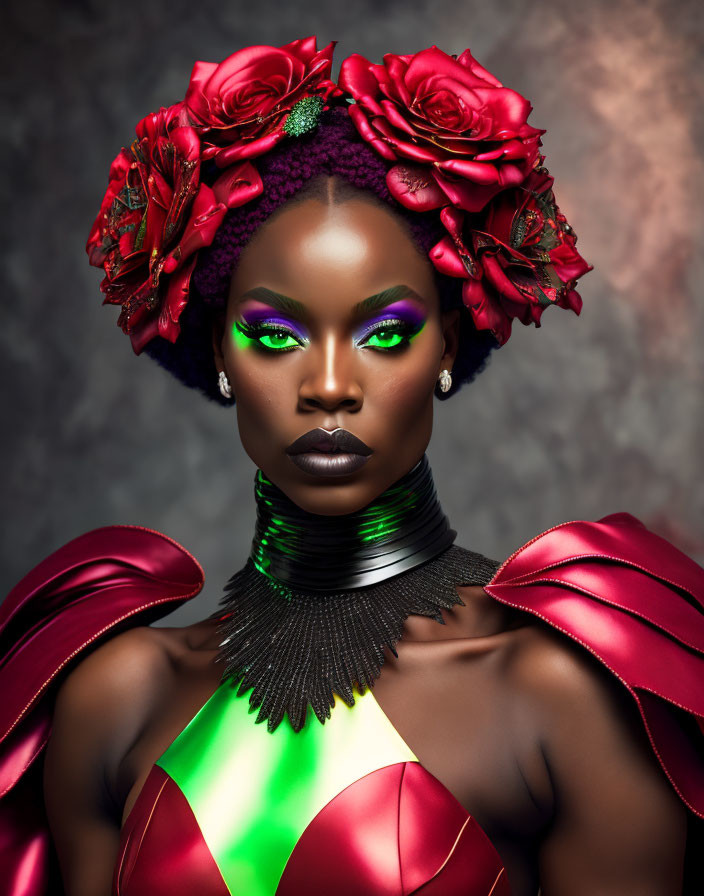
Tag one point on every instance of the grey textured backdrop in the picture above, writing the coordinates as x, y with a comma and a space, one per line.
583, 417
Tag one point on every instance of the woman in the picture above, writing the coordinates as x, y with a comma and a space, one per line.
330, 268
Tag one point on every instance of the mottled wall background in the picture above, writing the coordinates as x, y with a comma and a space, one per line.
583, 417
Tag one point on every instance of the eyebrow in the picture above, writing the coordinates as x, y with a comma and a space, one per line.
371, 303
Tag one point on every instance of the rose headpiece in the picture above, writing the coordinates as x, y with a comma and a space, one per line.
456, 141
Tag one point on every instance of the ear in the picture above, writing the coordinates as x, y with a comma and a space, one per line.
451, 337
218, 334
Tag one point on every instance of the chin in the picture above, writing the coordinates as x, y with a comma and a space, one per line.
328, 497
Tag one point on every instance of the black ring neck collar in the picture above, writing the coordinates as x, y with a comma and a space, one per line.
401, 529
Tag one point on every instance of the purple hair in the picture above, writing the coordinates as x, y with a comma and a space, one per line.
294, 170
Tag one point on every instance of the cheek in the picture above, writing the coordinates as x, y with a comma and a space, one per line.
262, 393
405, 393
409, 377
402, 389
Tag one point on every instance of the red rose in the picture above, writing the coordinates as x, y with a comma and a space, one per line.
116, 181
241, 104
155, 216
448, 114
518, 257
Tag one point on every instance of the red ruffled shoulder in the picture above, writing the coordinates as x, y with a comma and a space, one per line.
101, 583
637, 604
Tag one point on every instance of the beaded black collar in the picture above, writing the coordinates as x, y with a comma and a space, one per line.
319, 597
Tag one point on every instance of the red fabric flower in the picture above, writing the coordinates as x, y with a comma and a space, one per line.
157, 213
457, 140
116, 181
154, 217
450, 115
240, 105
518, 257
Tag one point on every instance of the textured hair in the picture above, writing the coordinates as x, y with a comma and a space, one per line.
295, 170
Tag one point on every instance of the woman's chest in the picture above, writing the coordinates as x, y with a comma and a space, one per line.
382, 798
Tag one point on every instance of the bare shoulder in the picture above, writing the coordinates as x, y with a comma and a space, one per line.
563, 681
110, 693
120, 667
618, 826
592, 734
130, 671
109, 699
543, 658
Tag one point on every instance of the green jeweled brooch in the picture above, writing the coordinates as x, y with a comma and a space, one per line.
303, 117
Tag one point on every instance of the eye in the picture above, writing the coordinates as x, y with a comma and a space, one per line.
270, 337
388, 335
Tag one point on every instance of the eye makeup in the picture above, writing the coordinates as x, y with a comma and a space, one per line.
292, 307
390, 328
266, 329
394, 327
405, 311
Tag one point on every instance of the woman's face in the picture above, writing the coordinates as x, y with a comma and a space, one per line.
333, 321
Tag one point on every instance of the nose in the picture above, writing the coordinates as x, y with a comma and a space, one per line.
329, 381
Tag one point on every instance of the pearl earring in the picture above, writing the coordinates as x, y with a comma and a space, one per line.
224, 384
445, 380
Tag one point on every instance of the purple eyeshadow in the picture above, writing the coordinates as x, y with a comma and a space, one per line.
257, 315
404, 310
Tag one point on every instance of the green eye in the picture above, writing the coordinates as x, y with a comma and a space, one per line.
277, 339
389, 335
385, 339
269, 338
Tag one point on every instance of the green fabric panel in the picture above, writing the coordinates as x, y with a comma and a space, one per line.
254, 792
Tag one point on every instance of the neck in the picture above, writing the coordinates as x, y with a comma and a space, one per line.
401, 529
319, 599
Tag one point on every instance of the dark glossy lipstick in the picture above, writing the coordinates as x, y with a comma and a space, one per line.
329, 453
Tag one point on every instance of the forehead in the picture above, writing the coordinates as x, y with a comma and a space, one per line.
355, 245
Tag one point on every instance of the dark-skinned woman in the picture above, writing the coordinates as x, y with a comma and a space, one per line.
373, 708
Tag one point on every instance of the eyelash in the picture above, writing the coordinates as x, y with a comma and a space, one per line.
256, 331
393, 325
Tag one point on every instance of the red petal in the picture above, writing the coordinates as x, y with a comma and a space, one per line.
143, 333
568, 263
446, 259
370, 106
187, 142
238, 185
496, 275
571, 299
195, 100
485, 313
248, 149
356, 78
477, 172
390, 110
206, 216
466, 195
305, 47
175, 301
392, 78
368, 134
452, 219
468, 61
409, 150
414, 187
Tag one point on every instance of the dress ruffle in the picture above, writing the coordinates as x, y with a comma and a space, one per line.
637, 604
101, 583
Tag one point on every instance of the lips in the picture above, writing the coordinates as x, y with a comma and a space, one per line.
322, 453
339, 440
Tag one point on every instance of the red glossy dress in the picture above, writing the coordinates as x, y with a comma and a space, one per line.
344, 807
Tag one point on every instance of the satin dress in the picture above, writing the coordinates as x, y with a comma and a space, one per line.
344, 807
